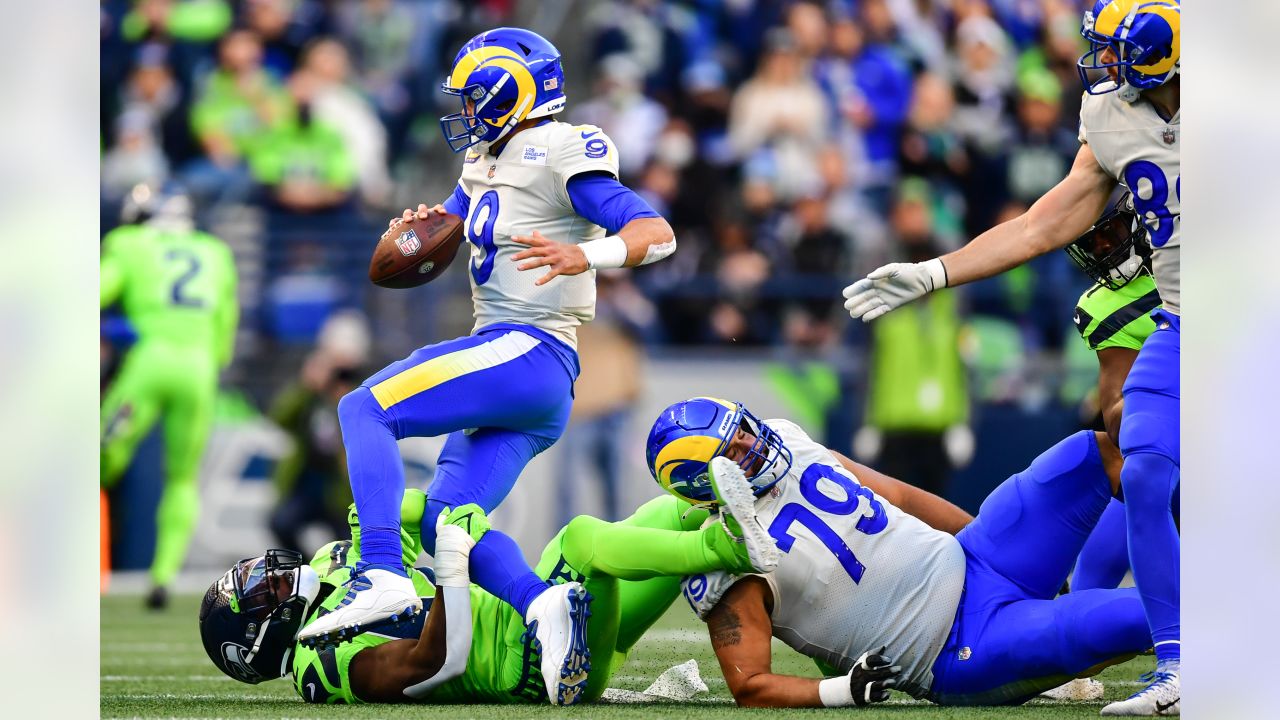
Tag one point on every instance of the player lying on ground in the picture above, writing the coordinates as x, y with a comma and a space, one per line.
543, 210
631, 568
1129, 133
971, 618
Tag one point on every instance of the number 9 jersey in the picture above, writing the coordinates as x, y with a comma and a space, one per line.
1140, 149
522, 189
856, 573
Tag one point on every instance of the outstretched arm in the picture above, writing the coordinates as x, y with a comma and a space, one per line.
1056, 219
741, 634
923, 505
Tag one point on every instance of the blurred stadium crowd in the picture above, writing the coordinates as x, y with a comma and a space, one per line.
793, 146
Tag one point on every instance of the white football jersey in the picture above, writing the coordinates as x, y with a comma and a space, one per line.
1134, 145
520, 190
856, 573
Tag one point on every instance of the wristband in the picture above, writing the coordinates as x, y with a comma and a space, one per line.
607, 252
836, 692
937, 273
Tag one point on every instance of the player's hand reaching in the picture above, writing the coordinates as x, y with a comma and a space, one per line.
562, 258
892, 286
871, 677
409, 215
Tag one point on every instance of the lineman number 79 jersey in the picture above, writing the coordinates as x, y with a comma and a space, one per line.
856, 572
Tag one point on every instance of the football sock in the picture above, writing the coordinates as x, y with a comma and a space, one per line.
498, 566
638, 553
1153, 546
175, 522
377, 476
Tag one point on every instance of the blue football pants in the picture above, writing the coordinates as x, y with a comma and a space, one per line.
1150, 442
502, 396
1012, 639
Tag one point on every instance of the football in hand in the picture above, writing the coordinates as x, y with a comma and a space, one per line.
414, 253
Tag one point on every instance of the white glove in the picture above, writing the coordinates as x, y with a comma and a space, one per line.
453, 554
891, 286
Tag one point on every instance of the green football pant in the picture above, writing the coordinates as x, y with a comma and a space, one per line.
179, 384
633, 569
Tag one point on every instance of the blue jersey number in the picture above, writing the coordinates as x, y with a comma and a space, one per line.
796, 512
179, 293
485, 215
1153, 208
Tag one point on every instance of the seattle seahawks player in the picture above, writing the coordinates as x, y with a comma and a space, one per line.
1129, 134
631, 567
537, 195
870, 565
1113, 318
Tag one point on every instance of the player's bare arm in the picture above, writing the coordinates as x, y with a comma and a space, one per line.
741, 635
1113, 368
930, 509
1056, 219
382, 673
641, 237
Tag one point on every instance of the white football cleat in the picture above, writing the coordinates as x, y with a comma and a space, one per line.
373, 596
1078, 690
738, 502
558, 620
1159, 699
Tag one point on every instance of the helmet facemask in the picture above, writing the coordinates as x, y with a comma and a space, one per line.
251, 615
1115, 250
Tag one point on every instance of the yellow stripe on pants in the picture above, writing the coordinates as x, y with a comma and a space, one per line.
443, 368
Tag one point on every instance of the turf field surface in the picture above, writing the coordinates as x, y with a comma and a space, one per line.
154, 666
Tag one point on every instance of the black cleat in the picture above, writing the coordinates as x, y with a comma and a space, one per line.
158, 598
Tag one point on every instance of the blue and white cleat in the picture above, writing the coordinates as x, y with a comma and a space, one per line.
1162, 697
737, 504
373, 596
558, 620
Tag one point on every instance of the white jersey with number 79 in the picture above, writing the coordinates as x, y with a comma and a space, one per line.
856, 573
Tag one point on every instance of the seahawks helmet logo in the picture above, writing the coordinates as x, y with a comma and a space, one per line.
234, 659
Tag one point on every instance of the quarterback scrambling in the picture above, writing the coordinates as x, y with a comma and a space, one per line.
543, 209
1129, 133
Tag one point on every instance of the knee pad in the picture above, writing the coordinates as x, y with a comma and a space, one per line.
1149, 432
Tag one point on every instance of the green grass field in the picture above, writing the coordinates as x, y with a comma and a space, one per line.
153, 666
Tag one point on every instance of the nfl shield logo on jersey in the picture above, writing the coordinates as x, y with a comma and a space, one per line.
1169, 137
409, 243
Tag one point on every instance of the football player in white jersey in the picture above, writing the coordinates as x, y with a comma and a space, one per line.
873, 567
543, 210
1129, 134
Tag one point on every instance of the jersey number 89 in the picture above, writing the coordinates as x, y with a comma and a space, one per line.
1151, 199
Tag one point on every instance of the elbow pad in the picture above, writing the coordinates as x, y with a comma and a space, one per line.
659, 252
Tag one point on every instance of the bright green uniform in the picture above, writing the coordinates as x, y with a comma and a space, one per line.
623, 565
178, 290
1118, 318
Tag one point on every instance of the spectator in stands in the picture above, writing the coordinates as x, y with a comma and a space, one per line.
152, 89
778, 121
189, 20
336, 102
136, 157
1042, 150
917, 402
285, 27
305, 165
312, 479
387, 41
741, 316
606, 391
240, 105
618, 107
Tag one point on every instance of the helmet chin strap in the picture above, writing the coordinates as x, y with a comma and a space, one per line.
1128, 93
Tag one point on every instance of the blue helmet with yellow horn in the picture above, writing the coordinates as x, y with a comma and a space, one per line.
502, 76
1143, 37
688, 434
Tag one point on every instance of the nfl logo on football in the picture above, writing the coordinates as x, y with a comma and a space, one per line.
409, 243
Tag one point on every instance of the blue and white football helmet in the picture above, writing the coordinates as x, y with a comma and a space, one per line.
688, 434
503, 76
1144, 37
